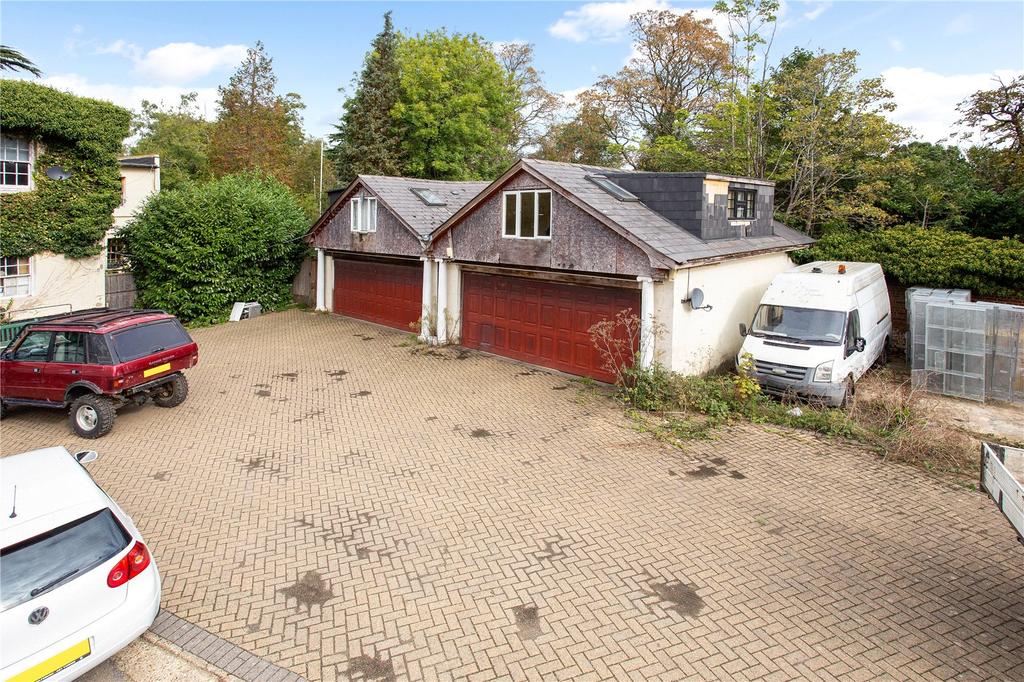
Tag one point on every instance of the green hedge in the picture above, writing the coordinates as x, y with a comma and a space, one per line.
198, 248
81, 135
930, 257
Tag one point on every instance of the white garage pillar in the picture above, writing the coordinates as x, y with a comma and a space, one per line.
646, 321
428, 299
442, 301
321, 280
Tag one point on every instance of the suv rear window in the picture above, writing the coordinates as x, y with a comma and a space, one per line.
42, 563
137, 342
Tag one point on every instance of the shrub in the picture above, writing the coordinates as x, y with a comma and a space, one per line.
930, 257
196, 249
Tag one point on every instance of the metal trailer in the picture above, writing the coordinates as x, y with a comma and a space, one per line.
1002, 478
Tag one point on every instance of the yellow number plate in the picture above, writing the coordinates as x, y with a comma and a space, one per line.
55, 664
156, 370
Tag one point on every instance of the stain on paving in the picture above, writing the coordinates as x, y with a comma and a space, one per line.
370, 668
161, 476
359, 394
336, 374
480, 433
263, 393
560, 388
290, 376
259, 465
528, 621
703, 471
554, 548
307, 591
737, 475
683, 598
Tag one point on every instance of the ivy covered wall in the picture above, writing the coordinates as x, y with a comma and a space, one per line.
80, 135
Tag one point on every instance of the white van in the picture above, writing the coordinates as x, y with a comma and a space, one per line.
818, 328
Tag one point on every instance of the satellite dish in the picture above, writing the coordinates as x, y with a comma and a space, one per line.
57, 173
697, 300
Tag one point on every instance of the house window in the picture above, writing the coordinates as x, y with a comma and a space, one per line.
15, 276
117, 257
364, 214
15, 164
741, 204
527, 214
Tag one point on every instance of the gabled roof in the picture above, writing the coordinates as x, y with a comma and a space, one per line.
639, 224
397, 196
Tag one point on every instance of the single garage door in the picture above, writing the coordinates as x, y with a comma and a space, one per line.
385, 293
544, 323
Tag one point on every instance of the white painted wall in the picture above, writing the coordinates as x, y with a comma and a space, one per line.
57, 282
697, 341
139, 184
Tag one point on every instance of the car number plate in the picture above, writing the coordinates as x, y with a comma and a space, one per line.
156, 370
54, 664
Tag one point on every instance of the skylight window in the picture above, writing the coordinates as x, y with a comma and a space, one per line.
428, 196
613, 189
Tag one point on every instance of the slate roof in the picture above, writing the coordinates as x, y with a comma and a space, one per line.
650, 228
396, 195
140, 161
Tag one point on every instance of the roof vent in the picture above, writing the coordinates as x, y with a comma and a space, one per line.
428, 196
613, 189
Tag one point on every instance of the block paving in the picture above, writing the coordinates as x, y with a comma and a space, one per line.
345, 504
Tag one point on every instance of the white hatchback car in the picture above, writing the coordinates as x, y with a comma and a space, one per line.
76, 582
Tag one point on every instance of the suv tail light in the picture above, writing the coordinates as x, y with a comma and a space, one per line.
132, 564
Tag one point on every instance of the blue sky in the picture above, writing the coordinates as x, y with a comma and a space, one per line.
932, 54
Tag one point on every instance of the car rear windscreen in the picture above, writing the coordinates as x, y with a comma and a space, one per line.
40, 564
137, 342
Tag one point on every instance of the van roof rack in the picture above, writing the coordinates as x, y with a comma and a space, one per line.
94, 317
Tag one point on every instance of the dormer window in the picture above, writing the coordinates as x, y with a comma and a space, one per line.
15, 162
364, 214
741, 204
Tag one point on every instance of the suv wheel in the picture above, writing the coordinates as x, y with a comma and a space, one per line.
92, 416
173, 393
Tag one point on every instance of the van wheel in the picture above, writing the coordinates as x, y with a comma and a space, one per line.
173, 393
92, 416
848, 390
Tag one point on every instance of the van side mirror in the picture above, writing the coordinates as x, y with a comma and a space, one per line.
859, 344
86, 456
743, 329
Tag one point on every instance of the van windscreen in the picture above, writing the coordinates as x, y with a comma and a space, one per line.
137, 342
803, 325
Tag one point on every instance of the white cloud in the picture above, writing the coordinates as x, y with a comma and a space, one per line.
817, 11
959, 25
601, 21
896, 45
130, 96
926, 101
176, 62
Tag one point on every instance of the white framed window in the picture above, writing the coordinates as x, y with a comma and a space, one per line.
15, 162
15, 276
364, 214
526, 214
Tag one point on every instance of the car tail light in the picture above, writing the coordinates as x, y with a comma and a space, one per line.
130, 565
119, 382
195, 359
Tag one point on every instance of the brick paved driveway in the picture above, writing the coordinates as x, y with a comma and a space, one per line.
344, 507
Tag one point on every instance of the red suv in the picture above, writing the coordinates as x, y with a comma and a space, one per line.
96, 361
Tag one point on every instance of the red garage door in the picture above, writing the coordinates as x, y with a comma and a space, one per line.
545, 323
385, 293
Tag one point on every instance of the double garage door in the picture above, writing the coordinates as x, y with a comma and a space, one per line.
540, 322
388, 293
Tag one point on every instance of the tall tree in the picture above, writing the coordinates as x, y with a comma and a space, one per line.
676, 71
256, 128
180, 135
537, 106
13, 60
578, 140
746, 113
367, 140
456, 110
999, 115
835, 138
